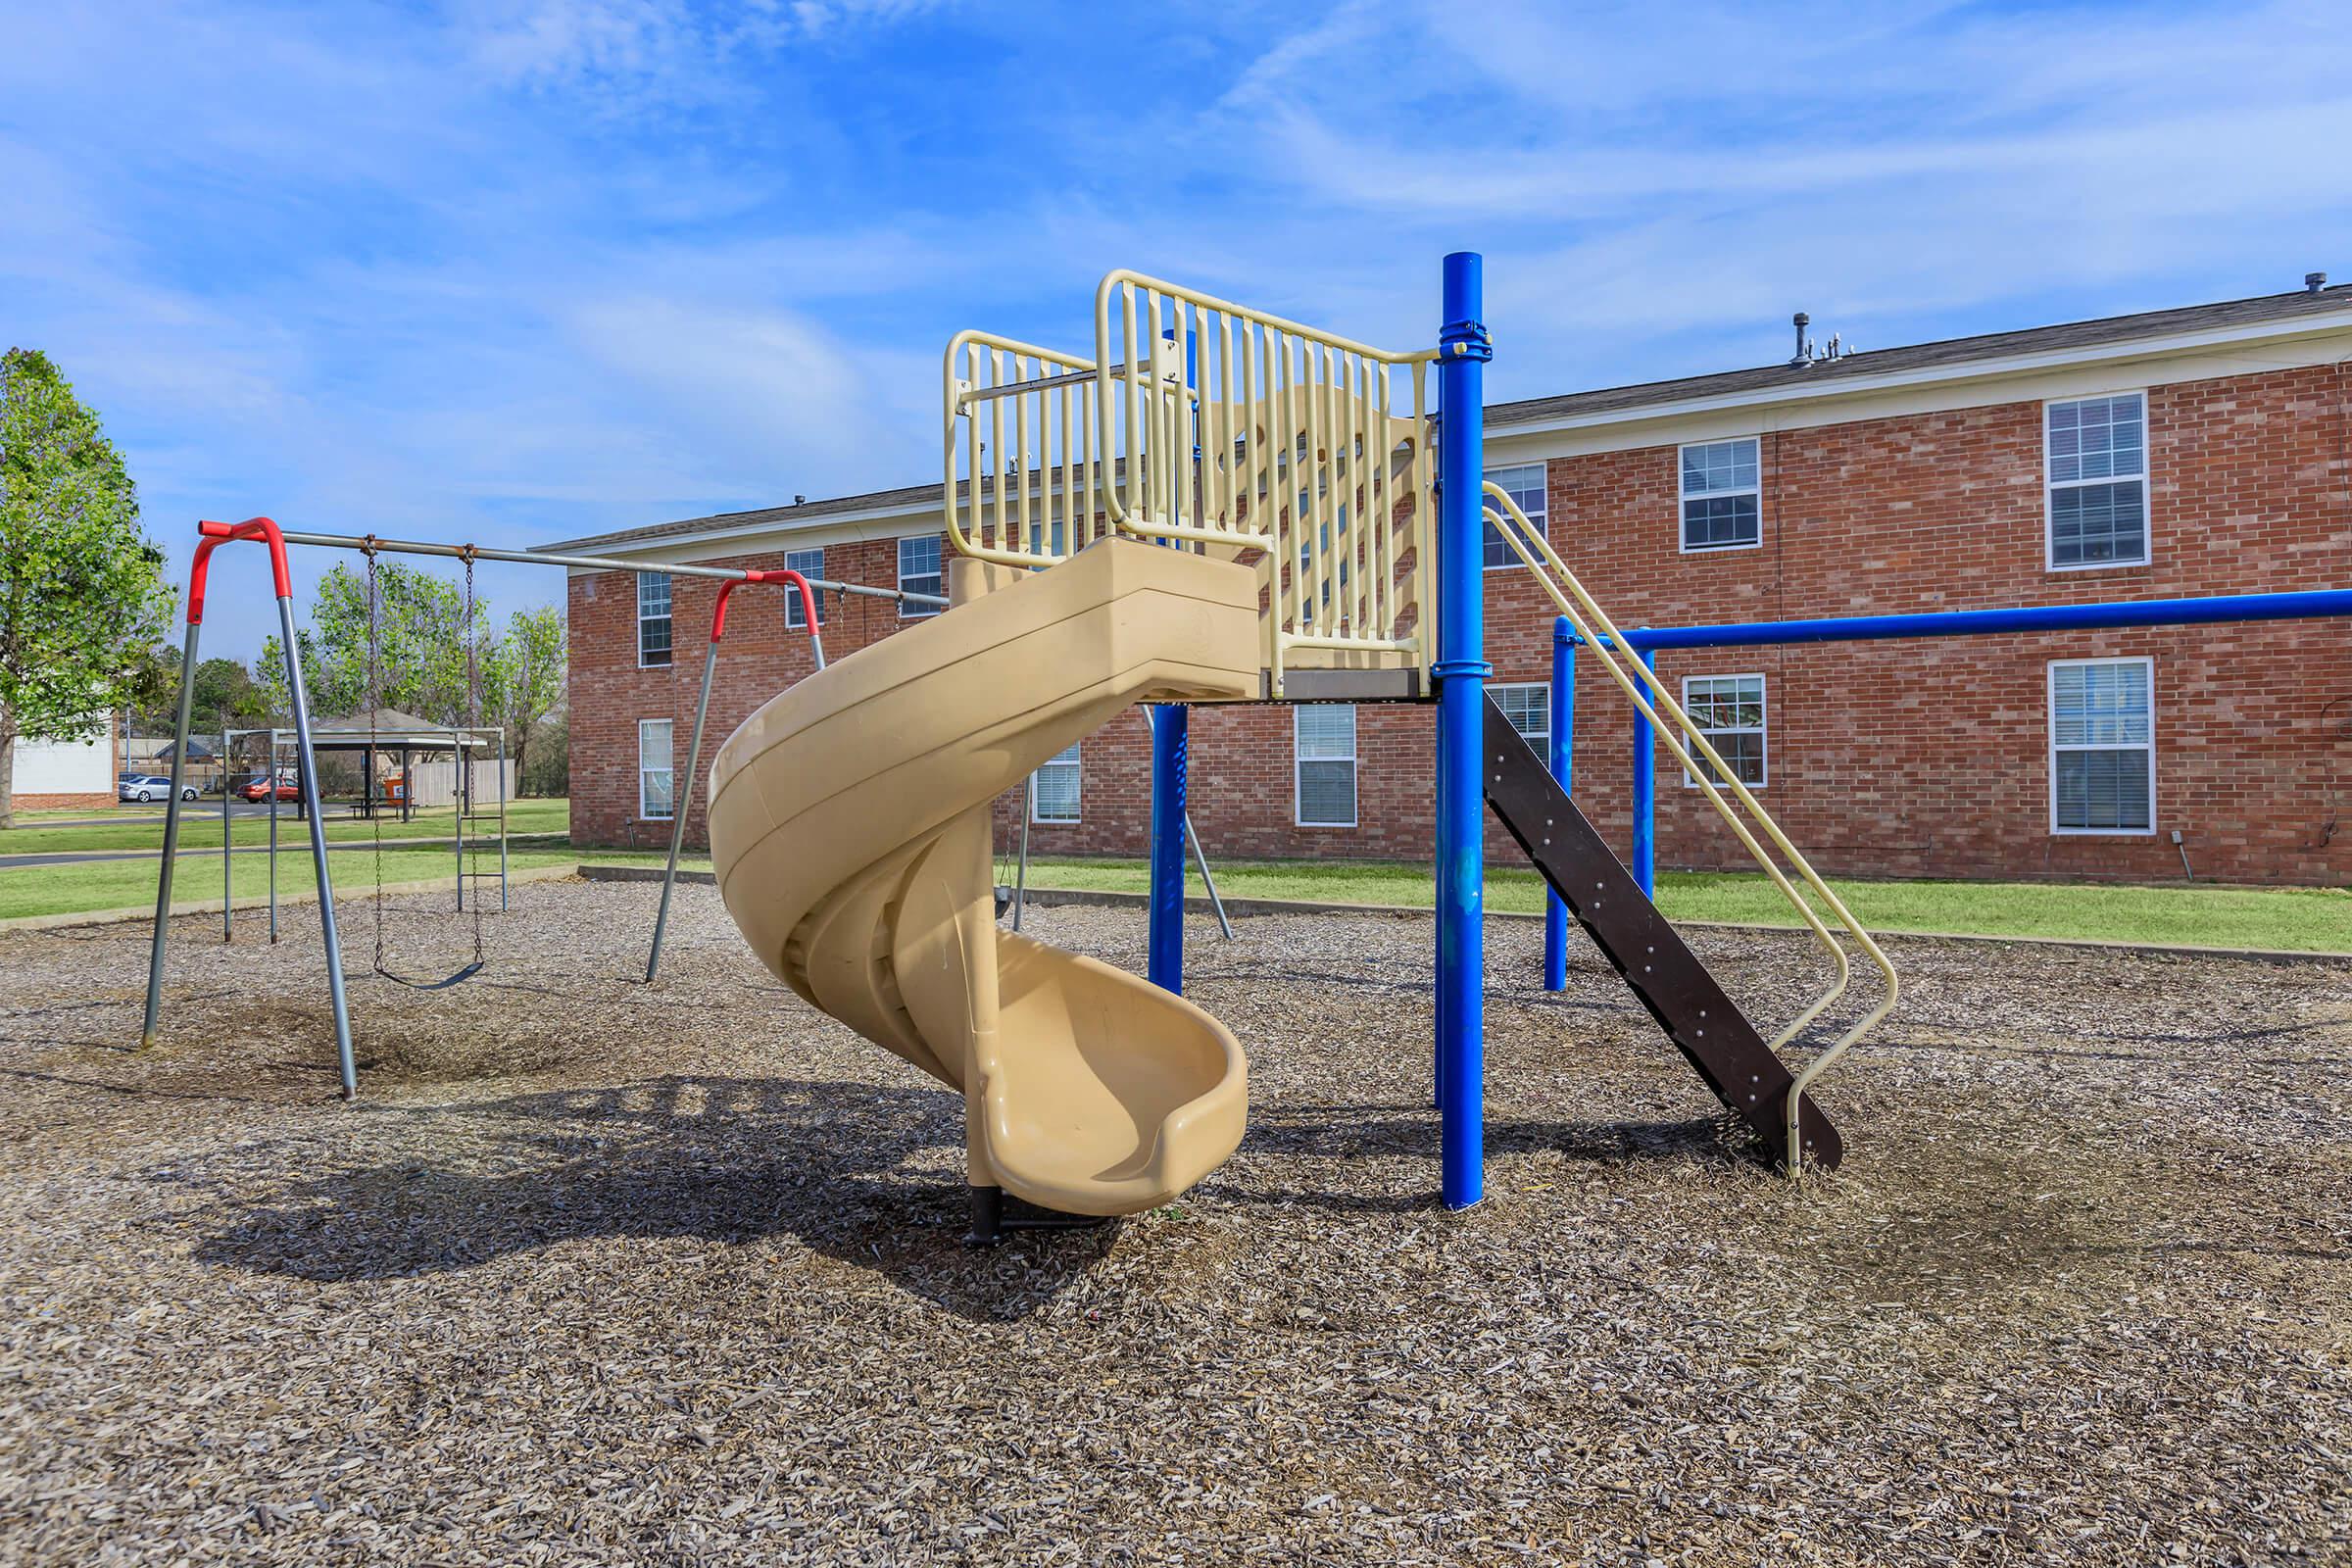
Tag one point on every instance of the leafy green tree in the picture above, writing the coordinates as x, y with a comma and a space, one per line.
528, 671
418, 661
549, 770
82, 595
226, 692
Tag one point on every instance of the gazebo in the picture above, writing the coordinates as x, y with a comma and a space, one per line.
388, 732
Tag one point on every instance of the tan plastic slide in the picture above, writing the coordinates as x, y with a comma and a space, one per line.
850, 826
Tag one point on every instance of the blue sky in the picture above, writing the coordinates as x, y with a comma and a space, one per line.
523, 270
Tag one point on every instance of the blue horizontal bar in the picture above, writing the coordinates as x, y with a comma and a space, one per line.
2305, 606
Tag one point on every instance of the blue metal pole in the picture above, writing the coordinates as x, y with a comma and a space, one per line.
1563, 769
1171, 725
2314, 603
1646, 784
1461, 671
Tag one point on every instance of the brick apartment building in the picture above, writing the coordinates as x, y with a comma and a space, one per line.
2191, 451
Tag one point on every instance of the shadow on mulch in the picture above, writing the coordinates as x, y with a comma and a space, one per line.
860, 1173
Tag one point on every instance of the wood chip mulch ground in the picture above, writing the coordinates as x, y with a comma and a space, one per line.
607, 1273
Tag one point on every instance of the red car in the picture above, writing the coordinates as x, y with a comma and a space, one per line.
259, 789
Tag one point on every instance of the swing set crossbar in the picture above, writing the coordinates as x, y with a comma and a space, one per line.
546, 558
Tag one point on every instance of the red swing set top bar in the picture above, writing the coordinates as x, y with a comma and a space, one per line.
217, 534
791, 580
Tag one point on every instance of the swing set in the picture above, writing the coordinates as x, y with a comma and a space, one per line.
307, 742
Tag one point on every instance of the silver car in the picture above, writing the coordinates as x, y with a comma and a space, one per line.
150, 787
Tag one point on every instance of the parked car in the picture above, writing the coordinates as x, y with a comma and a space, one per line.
150, 787
259, 789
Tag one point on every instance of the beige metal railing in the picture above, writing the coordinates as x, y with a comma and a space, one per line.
1021, 420
1291, 442
1667, 718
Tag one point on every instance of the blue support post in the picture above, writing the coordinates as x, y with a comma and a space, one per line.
1563, 769
1461, 671
1646, 784
1171, 725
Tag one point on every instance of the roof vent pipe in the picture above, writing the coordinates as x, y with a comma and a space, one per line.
800, 501
2313, 283
1804, 350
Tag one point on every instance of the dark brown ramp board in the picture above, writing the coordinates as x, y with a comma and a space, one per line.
1713, 1035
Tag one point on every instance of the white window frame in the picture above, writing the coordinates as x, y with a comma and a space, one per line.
1543, 707
908, 612
1071, 759
1353, 759
1682, 497
2051, 487
2050, 728
669, 598
1762, 730
643, 815
1540, 517
795, 618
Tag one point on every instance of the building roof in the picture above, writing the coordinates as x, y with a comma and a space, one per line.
2317, 308
2302, 304
904, 499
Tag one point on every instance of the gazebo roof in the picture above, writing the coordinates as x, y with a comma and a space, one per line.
388, 729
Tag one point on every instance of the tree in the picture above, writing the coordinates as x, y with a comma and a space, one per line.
529, 669
223, 690
82, 595
550, 772
418, 662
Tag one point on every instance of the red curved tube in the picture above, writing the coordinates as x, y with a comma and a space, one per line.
788, 579
216, 534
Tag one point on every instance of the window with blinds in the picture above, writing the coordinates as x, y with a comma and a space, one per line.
1323, 749
1053, 796
2102, 746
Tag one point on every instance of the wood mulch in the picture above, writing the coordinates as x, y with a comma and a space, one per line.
604, 1273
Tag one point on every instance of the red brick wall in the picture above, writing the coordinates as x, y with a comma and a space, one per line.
1885, 759
609, 694
58, 803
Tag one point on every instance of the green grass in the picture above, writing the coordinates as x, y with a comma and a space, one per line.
130, 884
2300, 919
200, 828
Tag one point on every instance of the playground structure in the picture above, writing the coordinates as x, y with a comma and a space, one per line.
1219, 506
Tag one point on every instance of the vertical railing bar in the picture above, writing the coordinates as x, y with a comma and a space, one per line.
976, 521
1131, 406
995, 458
1227, 506
1384, 502
1161, 511
1018, 475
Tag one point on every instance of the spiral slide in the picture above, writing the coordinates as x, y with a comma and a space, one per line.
850, 828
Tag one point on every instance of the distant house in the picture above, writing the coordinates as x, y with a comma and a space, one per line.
51, 775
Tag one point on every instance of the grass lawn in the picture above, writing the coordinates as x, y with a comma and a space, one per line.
130, 884
200, 828
2304, 919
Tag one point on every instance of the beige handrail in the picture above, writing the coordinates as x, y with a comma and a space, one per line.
1594, 625
1244, 431
1039, 479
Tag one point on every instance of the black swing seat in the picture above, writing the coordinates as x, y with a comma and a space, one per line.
443, 984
